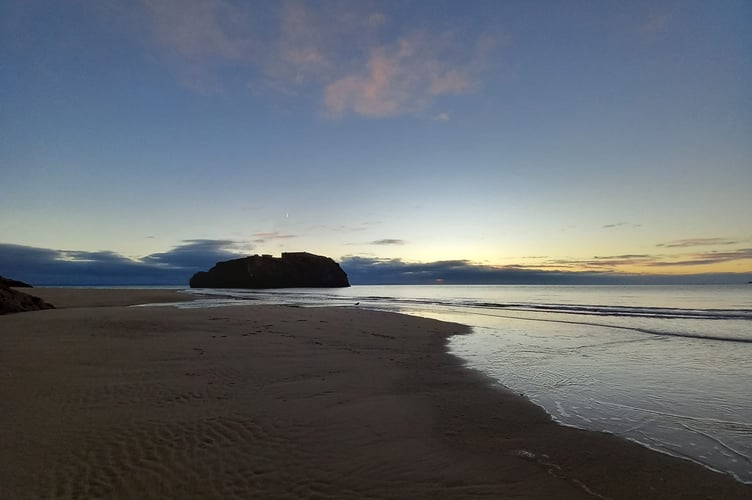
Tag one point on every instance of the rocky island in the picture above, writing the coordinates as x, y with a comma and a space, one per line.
291, 270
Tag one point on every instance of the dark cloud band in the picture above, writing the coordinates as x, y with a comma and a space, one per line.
42, 266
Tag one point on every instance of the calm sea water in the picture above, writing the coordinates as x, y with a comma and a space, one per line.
667, 366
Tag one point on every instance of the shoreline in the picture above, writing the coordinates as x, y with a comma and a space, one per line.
283, 402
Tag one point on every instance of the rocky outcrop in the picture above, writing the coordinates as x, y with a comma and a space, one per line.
14, 283
13, 301
292, 270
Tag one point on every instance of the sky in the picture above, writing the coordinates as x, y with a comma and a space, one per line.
412, 141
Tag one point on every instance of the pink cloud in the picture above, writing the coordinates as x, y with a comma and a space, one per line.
398, 79
364, 93
375, 94
345, 52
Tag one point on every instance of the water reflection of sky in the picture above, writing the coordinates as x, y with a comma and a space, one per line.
677, 395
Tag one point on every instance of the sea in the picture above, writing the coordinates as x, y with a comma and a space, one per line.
669, 367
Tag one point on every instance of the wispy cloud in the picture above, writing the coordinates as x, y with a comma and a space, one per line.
652, 260
655, 24
347, 228
706, 258
356, 58
313, 42
699, 242
619, 224
388, 241
601, 262
199, 36
200, 29
272, 235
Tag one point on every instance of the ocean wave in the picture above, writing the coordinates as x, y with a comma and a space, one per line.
628, 316
634, 312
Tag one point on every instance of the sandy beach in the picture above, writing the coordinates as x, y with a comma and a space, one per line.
103, 400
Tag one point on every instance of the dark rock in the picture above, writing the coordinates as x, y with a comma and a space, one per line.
12, 301
292, 270
13, 283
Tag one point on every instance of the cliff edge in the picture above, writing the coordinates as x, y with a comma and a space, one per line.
9, 282
292, 270
13, 301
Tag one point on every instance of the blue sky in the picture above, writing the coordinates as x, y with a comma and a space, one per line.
603, 139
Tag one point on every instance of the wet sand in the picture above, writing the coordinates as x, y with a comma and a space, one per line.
100, 400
